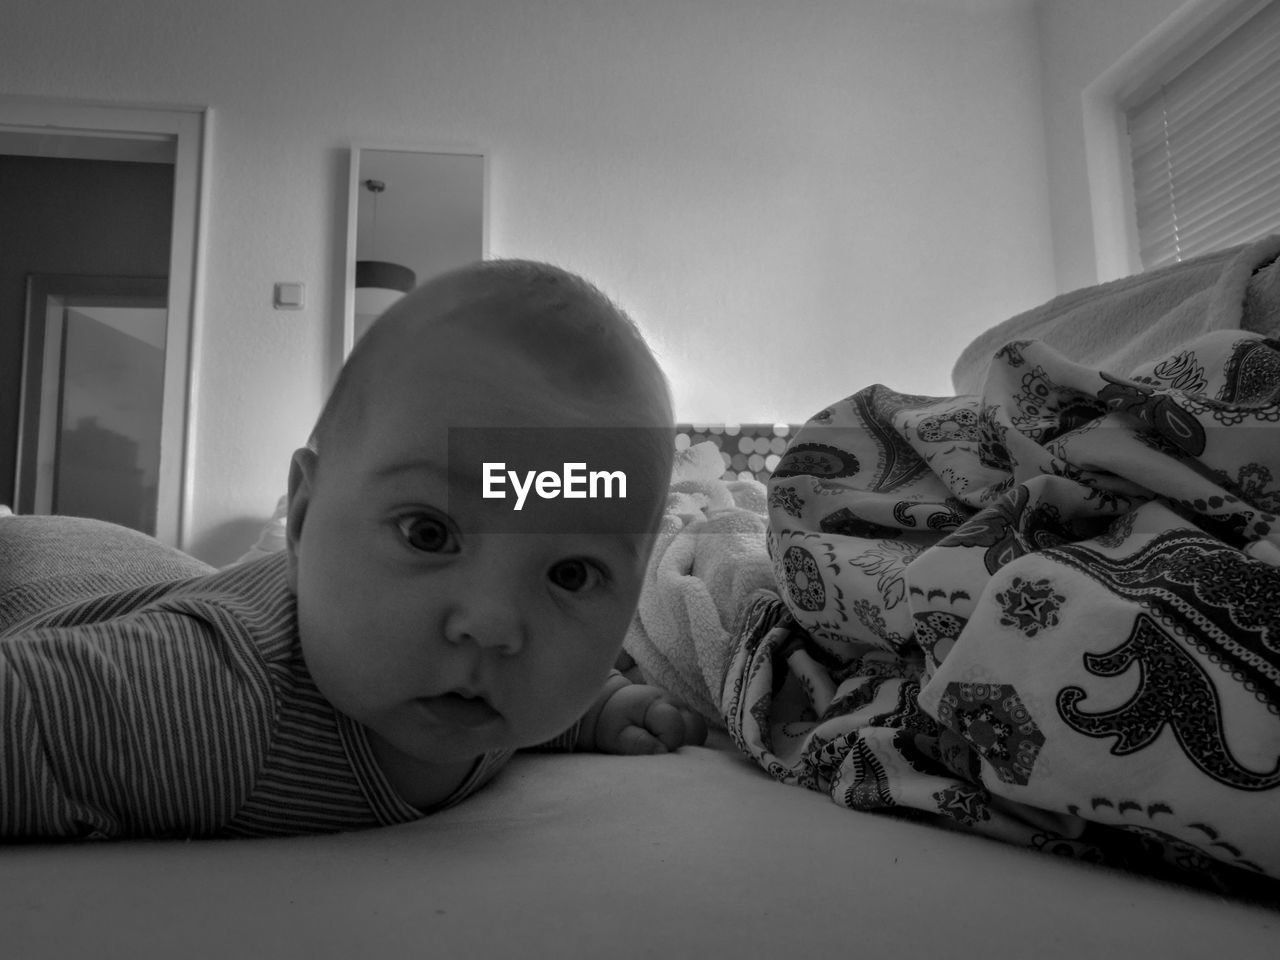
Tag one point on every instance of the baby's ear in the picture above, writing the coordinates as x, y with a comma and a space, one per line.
302, 475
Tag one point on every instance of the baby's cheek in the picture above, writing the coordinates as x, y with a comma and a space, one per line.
571, 684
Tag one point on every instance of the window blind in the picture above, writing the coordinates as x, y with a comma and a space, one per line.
1205, 148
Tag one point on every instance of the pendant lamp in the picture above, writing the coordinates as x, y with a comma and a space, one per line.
379, 283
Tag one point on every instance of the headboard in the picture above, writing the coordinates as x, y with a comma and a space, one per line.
750, 450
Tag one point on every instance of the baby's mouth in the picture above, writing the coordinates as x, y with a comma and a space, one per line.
456, 709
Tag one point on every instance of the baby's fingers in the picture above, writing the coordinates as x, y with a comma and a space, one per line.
674, 726
637, 740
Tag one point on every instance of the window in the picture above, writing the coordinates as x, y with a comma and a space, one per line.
1204, 142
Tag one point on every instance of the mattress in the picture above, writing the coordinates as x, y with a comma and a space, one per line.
692, 854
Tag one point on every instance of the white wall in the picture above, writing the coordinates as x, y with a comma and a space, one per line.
794, 199
1080, 39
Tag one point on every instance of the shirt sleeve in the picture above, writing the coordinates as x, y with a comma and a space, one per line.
566, 742
148, 725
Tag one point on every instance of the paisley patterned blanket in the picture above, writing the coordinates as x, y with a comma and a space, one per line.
1049, 614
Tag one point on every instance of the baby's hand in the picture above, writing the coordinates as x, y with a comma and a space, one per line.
639, 718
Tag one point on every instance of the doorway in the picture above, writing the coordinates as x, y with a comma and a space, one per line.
92, 397
95, 336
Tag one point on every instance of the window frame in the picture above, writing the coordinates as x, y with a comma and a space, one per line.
1185, 36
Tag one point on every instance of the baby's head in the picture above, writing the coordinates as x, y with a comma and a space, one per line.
430, 610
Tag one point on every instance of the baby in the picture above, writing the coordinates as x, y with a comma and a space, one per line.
417, 629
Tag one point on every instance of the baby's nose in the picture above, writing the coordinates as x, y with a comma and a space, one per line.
492, 623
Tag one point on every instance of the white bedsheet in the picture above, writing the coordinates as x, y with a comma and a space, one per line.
697, 854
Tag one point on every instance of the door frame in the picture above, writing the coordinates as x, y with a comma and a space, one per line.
189, 129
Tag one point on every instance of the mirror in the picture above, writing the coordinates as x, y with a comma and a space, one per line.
412, 214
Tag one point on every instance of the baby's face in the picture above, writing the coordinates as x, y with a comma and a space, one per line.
428, 612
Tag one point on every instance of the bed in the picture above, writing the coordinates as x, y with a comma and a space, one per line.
695, 854
736, 848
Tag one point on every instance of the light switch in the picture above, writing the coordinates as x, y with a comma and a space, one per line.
290, 296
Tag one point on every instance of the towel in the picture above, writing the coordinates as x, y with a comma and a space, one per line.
707, 568
1118, 325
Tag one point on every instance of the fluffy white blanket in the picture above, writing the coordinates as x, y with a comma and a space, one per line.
1118, 325
707, 567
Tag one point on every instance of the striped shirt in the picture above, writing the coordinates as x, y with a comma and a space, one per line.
145, 694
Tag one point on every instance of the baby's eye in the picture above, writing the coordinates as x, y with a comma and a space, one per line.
576, 575
428, 533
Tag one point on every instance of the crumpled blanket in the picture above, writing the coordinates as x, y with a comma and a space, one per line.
1048, 614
